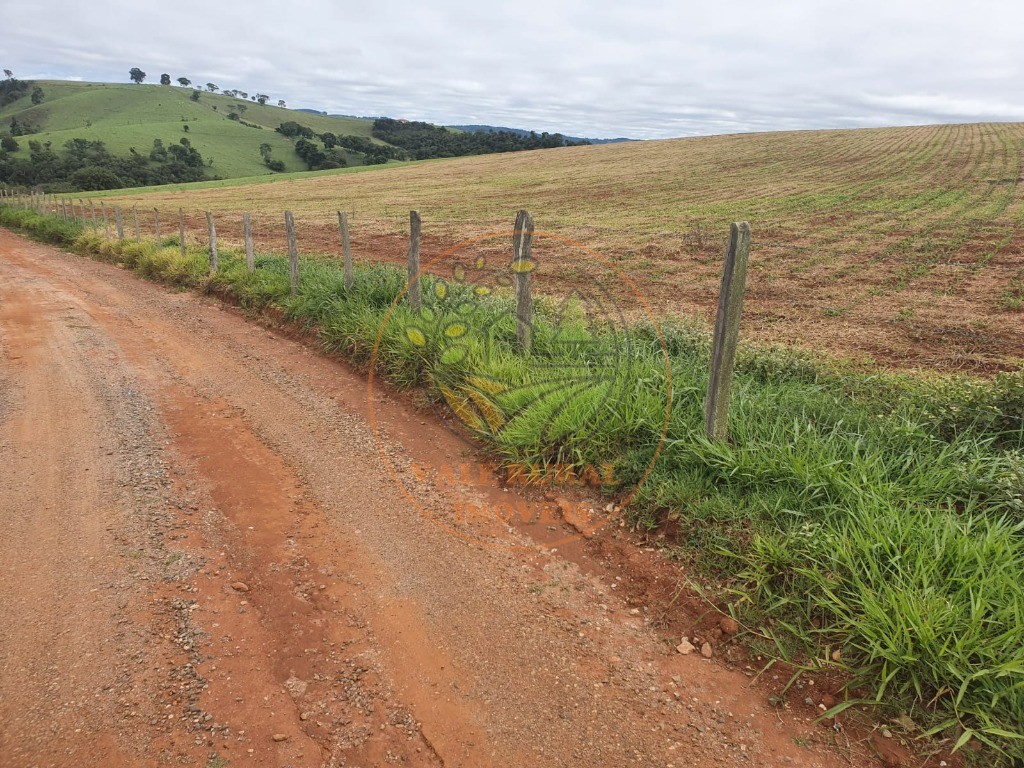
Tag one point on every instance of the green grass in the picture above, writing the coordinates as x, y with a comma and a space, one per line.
877, 514
125, 116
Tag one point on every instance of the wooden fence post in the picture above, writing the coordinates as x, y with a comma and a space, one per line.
293, 251
156, 226
250, 257
138, 232
92, 214
81, 204
727, 332
214, 260
106, 223
346, 249
63, 208
119, 222
181, 230
522, 265
414, 260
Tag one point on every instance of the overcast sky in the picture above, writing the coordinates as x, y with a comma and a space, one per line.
631, 68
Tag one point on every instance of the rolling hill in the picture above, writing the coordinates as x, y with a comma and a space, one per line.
905, 245
126, 116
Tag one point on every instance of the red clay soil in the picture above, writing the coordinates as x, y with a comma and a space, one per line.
215, 552
951, 320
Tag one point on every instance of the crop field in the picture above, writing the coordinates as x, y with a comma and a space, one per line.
901, 246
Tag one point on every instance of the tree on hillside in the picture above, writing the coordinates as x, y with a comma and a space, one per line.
262, 98
268, 160
212, 88
37, 95
292, 129
137, 75
184, 82
195, 95
10, 144
8, 74
243, 95
165, 79
280, 103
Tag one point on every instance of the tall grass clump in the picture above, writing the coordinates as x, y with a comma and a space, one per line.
42, 227
873, 514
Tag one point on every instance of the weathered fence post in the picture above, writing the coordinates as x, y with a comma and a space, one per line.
522, 265
64, 208
156, 226
119, 221
81, 204
293, 251
214, 260
727, 332
250, 257
92, 214
138, 232
414, 260
346, 249
106, 223
181, 230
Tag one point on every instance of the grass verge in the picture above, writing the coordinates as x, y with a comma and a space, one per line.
877, 515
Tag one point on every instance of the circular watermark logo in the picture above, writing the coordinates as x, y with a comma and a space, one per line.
547, 388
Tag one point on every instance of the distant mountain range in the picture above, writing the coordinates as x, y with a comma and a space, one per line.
482, 128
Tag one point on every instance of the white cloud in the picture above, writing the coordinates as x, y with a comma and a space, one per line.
645, 69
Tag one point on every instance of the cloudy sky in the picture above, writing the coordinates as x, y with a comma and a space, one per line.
636, 68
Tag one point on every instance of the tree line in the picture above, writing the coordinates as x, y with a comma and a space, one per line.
85, 165
409, 141
319, 158
137, 76
423, 141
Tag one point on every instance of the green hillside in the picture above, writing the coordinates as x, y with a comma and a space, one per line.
126, 116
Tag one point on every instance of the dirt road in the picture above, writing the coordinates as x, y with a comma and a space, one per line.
206, 561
